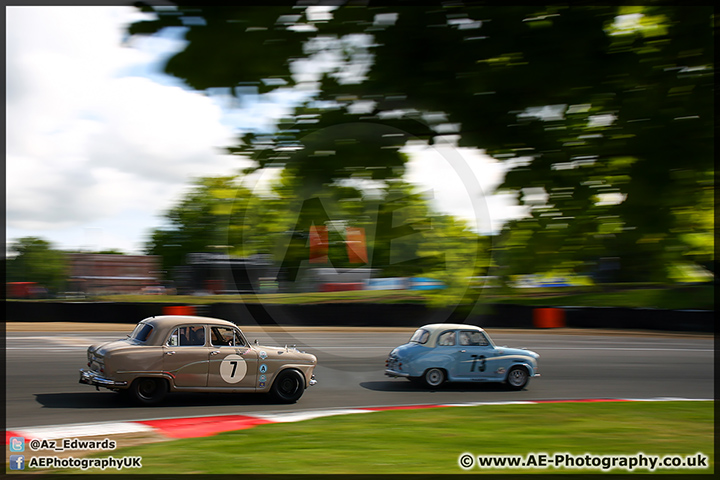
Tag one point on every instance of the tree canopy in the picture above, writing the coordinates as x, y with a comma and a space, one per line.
35, 260
398, 233
604, 114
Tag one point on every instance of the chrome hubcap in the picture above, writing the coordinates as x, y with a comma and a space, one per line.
434, 377
517, 377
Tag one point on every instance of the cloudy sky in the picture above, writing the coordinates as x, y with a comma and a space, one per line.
99, 143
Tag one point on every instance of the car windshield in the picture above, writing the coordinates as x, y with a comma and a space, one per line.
141, 332
420, 336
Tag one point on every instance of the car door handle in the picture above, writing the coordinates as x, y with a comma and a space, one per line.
463, 351
215, 352
170, 353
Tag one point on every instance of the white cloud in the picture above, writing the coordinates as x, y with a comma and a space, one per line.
100, 143
157, 131
460, 182
86, 142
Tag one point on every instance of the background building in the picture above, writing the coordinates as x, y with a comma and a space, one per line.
113, 274
211, 273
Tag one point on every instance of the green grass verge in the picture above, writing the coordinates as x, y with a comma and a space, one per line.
432, 440
359, 296
672, 298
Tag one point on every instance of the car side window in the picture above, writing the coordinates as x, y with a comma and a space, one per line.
239, 339
191, 335
469, 338
223, 336
446, 339
195, 335
174, 338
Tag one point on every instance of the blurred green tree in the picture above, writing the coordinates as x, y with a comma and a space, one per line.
110, 251
34, 260
403, 236
603, 114
209, 218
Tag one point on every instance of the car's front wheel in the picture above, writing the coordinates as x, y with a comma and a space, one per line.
148, 391
288, 387
434, 377
517, 378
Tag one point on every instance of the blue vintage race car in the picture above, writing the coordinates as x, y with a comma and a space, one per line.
460, 353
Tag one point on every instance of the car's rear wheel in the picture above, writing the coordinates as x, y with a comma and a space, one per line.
434, 377
517, 378
148, 391
288, 386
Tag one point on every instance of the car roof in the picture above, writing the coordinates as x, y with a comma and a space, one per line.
169, 321
433, 327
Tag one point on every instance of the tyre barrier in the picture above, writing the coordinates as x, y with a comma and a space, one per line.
548, 318
370, 315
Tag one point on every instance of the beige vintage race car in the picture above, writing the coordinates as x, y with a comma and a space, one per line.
177, 353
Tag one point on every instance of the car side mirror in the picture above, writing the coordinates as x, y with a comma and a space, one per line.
255, 342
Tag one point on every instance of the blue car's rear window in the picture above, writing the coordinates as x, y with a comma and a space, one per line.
420, 336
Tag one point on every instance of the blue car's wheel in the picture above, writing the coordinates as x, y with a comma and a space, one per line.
517, 377
434, 377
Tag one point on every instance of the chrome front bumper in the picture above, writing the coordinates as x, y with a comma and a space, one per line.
90, 377
312, 380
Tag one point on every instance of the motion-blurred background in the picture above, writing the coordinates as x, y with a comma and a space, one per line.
449, 153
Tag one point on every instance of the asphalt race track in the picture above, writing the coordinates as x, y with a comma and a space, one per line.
42, 375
